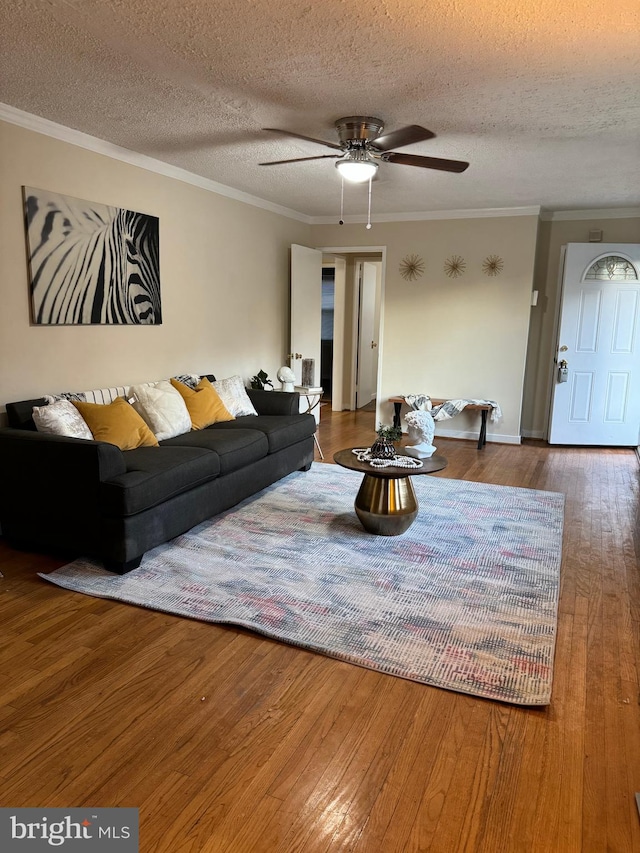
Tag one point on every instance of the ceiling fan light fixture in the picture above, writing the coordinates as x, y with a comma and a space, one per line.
357, 171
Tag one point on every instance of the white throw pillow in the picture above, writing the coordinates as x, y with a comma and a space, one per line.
61, 418
162, 408
234, 396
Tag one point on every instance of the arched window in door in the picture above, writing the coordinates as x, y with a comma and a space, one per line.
612, 268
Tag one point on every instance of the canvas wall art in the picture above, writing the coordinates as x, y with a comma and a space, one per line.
91, 263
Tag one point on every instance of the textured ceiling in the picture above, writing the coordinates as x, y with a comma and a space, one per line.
542, 97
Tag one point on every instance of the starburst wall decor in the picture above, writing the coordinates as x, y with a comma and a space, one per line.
455, 266
411, 267
493, 265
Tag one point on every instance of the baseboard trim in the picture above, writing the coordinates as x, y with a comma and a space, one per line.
498, 438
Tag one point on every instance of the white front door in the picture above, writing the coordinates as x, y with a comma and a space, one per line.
598, 403
367, 371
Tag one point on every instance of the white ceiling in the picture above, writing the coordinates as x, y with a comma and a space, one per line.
542, 97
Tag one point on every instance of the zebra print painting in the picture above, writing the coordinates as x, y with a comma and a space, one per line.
91, 263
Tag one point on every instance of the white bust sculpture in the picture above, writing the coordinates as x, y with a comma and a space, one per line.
287, 377
421, 429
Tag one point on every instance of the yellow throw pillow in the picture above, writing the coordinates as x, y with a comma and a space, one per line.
203, 403
117, 423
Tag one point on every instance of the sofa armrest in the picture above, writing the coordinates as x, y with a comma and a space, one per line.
53, 474
29, 453
275, 402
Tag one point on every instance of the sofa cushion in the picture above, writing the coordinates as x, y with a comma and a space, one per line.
235, 448
98, 395
20, 413
274, 402
156, 474
61, 418
280, 430
162, 408
234, 395
190, 379
117, 423
203, 402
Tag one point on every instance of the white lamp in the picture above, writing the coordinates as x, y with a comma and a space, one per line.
357, 170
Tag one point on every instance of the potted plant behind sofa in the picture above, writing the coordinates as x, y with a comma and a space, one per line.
261, 382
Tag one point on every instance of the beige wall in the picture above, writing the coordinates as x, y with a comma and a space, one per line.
453, 337
542, 336
224, 269
224, 279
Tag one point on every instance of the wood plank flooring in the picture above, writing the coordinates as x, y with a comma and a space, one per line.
231, 743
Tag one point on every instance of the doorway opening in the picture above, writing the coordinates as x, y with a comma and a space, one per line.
368, 276
325, 287
357, 323
326, 332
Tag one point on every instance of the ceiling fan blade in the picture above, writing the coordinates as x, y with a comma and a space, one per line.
301, 159
425, 162
300, 136
401, 137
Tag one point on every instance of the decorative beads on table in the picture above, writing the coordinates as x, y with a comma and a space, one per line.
363, 454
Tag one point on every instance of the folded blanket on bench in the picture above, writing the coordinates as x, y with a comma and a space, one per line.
450, 408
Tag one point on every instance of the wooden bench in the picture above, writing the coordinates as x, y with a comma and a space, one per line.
483, 408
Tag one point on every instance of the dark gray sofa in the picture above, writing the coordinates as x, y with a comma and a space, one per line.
90, 498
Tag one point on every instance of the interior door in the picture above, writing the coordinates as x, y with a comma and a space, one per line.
306, 310
367, 370
596, 390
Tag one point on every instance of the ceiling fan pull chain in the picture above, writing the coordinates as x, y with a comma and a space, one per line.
369, 211
341, 220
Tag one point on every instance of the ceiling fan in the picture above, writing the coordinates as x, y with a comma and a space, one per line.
362, 144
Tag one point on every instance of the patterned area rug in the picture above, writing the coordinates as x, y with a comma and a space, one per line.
466, 599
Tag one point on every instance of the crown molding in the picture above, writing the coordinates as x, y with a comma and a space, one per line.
44, 126
419, 216
605, 213
100, 146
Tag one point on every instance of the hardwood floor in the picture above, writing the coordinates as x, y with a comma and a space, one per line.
231, 743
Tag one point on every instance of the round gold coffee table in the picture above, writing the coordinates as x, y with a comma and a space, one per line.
386, 503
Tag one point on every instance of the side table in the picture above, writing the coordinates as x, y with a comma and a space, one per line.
313, 393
